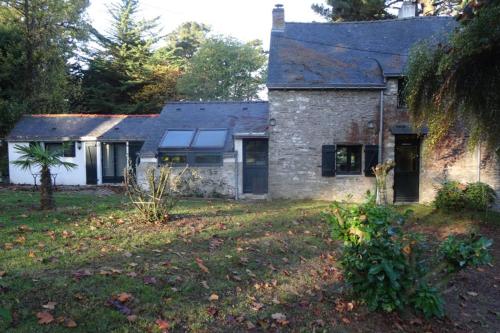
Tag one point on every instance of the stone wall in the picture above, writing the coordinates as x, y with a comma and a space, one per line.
213, 182
307, 120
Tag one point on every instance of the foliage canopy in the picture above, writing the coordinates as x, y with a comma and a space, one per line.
455, 84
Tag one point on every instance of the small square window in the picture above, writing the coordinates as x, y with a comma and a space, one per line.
174, 159
177, 139
348, 160
208, 159
210, 139
67, 148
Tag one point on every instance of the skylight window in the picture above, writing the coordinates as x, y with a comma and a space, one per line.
210, 139
177, 139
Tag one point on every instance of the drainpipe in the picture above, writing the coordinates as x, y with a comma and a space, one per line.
479, 162
237, 177
381, 128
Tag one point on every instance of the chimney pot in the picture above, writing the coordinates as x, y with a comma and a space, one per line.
278, 18
408, 9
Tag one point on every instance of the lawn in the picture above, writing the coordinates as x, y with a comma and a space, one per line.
219, 266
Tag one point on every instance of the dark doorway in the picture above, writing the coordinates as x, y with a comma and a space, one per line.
114, 162
91, 162
255, 168
407, 170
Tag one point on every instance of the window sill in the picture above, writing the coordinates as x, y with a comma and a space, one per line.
346, 175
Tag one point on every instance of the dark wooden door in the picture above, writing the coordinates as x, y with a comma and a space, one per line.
407, 170
255, 166
91, 162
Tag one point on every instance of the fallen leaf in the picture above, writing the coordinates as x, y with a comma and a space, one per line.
162, 324
81, 273
20, 240
213, 297
278, 316
49, 305
201, 265
8, 246
472, 293
2, 273
257, 306
149, 280
124, 297
132, 318
24, 228
44, 318
203, 283
70, 323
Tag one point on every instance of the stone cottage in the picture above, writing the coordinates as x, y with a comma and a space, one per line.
336, 109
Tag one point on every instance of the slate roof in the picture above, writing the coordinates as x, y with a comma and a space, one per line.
348, 54
61, 127
237, 117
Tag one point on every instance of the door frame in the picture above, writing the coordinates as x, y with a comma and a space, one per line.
91, 168
112, 179
416, 140
244, 168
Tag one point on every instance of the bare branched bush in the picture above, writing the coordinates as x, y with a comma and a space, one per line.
165, 187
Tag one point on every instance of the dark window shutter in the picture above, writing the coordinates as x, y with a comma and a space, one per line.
371, 159
328, 161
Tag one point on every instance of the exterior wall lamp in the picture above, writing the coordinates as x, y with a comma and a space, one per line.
272, 122
370, 124
79, 145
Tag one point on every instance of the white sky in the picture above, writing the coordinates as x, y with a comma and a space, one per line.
243, 19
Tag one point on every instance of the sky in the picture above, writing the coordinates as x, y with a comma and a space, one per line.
244, 19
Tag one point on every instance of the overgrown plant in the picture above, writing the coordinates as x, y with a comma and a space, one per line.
390, 268
164, 189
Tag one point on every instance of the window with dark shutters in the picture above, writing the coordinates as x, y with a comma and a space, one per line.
371, 159
328, 160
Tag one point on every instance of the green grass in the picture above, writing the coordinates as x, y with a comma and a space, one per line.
263, 258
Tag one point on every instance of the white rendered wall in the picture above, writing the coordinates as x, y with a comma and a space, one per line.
75, 176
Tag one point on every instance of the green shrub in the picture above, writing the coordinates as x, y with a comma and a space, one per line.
472, 250
450, 196
386, 266
456, 196
479, 196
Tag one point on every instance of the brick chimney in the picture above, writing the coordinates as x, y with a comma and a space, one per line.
278, 18
408, 9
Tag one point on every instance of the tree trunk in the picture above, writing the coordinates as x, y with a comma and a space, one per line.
46, 197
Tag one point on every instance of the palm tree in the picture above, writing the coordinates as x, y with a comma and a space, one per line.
34, 155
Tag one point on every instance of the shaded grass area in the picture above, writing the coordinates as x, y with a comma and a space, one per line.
258, 258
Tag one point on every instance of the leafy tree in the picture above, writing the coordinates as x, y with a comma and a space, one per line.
187, 39
123, 75
224, 69
354, 10
51, 32
369, 10
35, 156
11, 70
457, 82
